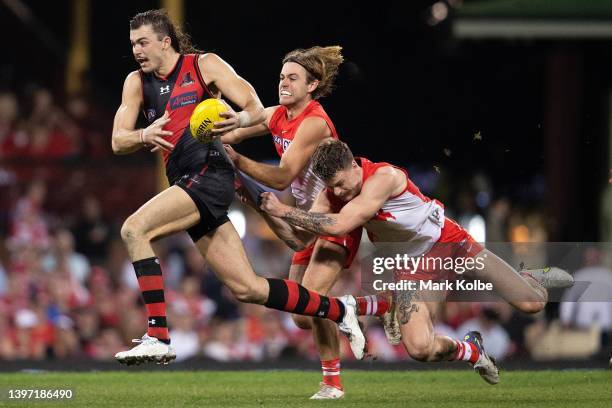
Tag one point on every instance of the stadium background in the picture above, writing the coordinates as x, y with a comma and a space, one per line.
504, 121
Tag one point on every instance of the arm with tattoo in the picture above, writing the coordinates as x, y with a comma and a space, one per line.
295, 238
317, 223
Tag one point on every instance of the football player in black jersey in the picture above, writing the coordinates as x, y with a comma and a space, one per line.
173, 77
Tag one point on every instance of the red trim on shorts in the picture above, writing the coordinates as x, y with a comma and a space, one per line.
454, 242
302, 257
201, 174
349, 242
452, 232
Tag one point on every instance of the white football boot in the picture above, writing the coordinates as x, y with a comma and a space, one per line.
391, 325
551, 278
351, 327
328, 392
149, 349
485, 366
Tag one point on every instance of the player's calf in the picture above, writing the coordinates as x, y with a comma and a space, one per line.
303, 322
248, 289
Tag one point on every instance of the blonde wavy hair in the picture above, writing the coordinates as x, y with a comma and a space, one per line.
321, 63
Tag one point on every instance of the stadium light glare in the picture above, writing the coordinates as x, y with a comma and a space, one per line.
477, 228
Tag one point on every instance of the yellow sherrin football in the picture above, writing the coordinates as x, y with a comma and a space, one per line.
203, 118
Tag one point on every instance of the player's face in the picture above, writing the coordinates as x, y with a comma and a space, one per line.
146, 47
293, 86
346, 184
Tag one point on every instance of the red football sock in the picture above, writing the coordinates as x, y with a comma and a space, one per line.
372, 305
290, 296
466, 352
151, 284
331, 373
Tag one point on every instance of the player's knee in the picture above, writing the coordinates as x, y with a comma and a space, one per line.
132, 230
303, 322
245, 294
419, 350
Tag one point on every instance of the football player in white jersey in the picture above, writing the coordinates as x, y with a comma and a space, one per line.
381, 198
298, 124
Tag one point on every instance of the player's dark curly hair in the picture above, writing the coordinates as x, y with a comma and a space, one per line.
331, 156
162, 25
321, 63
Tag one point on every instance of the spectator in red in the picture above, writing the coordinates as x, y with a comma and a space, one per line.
28, 226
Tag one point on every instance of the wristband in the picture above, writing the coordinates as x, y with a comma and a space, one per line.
244, 119
142, 137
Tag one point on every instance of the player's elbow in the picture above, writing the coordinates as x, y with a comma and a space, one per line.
118, 147
282, 178
338, 231
278, 180
117, 150
343, 227
280, 185
259, 114
115, 146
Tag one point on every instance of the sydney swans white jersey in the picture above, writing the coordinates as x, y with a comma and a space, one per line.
307, 185
410, 217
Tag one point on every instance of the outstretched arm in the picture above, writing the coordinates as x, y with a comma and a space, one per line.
295, 238
375, 191
238, 135
310, 133
220, 75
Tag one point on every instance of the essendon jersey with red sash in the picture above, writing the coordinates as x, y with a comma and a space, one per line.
409, 217
179, 92
307, 185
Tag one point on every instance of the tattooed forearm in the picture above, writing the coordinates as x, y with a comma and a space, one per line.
314, 222
405, 304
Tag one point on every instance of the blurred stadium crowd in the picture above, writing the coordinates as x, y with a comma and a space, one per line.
33, 126
68, 290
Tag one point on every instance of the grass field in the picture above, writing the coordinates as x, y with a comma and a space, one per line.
225, 389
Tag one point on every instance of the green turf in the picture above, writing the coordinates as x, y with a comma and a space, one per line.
420, 389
